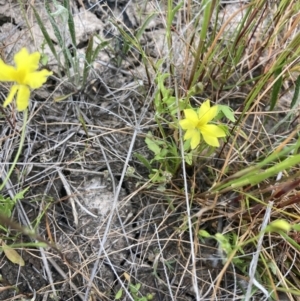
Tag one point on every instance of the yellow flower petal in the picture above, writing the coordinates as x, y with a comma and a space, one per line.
27, 62
191, 116
10, 97
7, 73
195, 141
212, 130
196, 124
186, 124
207, 113
36, 79
213, 141
23, 98
25, 75
190, 133
194, 135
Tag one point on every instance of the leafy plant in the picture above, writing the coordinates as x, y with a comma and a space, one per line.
135, 294
6, 206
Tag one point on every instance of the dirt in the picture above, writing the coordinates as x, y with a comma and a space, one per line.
94, 220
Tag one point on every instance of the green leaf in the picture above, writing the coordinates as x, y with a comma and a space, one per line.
224, 243
134, 288
279, 225
273, 267
187, 144
12, 255
20, 194
152, 145
296, 227
44, 59
227, 111
119, 294
6, 208
188, 158
162, 156
150, 296
157, 177
204, 233
144, 161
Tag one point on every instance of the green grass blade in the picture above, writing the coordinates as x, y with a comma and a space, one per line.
144, 161
102, 45
289, 55
71, 24
276, 88
88, 60
60, 40
73, 59
272, 171
207, 6
128, 37
45, 33
54, 25
296, 93
251, 174
144, 26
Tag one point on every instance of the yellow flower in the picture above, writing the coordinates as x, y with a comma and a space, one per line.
197, 125
25, 77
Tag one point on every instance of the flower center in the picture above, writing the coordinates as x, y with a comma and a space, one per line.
20, 76
199, 124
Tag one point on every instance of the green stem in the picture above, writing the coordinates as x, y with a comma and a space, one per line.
25, 117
